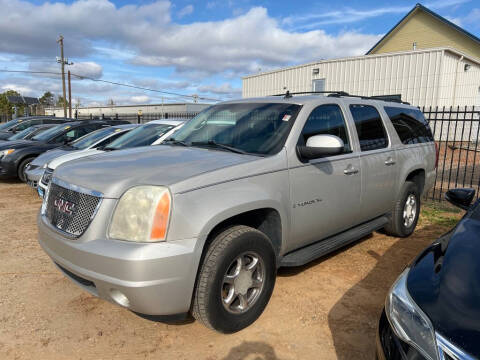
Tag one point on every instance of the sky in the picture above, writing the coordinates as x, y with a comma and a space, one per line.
188, 47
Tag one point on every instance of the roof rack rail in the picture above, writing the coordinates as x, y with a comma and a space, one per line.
387, 98
289, 94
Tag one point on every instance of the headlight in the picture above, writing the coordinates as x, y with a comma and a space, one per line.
142, 215
408, 321
7, 152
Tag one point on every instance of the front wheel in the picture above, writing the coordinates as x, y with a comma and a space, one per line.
236, 280
23, 167
405, 212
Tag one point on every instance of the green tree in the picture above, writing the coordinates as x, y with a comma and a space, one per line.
47, 99
61, 101
6, 108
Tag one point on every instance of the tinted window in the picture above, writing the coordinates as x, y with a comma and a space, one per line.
257, 128
74, 134
50, 133
326, 119
410, 124
370, 129
88, 140
141, 136
26, 124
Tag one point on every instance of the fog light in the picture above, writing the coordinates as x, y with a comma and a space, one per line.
119, 298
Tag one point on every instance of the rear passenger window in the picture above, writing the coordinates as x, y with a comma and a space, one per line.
410, 124
326, 119
370, 129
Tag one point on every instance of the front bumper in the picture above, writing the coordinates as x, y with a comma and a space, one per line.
8, 169
34, 176
152, 279
390, 347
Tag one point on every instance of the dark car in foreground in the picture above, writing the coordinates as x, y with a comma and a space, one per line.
14, 126
433, 309
15, 156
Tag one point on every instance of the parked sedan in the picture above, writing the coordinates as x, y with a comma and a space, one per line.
99, 138
15, 156
28, 133
152, 133
14, 126
432, 311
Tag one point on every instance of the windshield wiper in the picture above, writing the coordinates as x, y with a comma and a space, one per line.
219, 145
175, 142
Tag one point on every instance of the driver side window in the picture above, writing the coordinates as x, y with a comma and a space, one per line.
326, 120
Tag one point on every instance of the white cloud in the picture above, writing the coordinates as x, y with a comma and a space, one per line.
222, 89
349, 15
239, 44
88, 69
140, 99
23, 90
187, 10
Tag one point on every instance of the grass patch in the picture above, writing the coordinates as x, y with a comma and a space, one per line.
440, 214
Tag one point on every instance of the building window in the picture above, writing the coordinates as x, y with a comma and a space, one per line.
318, 85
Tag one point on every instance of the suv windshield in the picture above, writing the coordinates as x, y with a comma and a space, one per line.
87, 140
141, 136
50, 133
256, 128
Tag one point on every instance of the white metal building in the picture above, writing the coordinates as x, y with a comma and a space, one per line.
430, 77
112, 110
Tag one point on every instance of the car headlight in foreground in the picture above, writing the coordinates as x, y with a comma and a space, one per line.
408, 321
6, 152
142, 215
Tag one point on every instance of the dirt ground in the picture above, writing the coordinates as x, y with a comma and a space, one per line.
326, 310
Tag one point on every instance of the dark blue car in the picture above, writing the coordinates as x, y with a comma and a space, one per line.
433, 309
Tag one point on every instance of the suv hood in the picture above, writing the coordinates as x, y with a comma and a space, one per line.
445, 282
112, 173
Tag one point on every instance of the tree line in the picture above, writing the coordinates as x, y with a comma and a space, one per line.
46, 100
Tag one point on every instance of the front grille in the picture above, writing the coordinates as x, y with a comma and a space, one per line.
70, 211
47, 176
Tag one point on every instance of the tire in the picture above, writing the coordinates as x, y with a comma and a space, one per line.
212, 293
22, 167
398, 225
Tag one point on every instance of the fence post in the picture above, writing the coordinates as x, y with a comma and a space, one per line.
138, 119
91, 117
116, 116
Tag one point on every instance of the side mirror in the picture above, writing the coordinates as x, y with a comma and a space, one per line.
461, 198
321, 145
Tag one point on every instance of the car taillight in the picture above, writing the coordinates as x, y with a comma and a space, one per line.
437, 154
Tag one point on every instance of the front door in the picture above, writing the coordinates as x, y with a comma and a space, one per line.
325, 192
377, 161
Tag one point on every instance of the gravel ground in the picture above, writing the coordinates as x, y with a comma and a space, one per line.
326, 310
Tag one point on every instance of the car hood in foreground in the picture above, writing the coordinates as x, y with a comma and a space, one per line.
112, 173
51, 154
445, 282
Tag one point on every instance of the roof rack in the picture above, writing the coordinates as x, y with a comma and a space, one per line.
387, 98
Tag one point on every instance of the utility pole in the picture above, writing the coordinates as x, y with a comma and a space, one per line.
62, 62
69, 95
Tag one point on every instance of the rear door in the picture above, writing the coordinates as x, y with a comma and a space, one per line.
325, 192
377, 161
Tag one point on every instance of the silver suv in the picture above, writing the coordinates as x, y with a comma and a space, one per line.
202, 222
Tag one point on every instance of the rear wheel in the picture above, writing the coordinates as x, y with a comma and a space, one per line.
236, 280
405, 212
23, 167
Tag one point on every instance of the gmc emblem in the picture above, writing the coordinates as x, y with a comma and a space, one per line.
64, 206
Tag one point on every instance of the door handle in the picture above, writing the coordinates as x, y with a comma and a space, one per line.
390, 162
350, 171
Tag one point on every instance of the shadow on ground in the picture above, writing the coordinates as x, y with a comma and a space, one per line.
253, 350
353, 319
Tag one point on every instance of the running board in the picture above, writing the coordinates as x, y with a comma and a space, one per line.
323, 247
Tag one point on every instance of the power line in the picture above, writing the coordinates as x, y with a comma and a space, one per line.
112, 83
